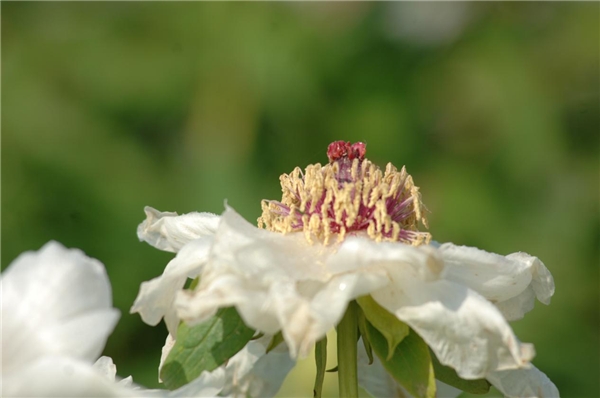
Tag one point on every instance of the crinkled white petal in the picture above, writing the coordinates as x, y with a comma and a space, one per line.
495, 277
464, 330
253, 372
170, 232
106, 367
541, 287
523, 383
55, 301
156, 297
57, 376
504, 280
515, 308
379, 384
375, 379
542, 281
276, 282
208, 384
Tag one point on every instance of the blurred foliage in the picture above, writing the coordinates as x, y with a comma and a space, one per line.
493, 107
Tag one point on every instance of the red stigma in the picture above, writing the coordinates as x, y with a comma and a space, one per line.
341, 149
357, 150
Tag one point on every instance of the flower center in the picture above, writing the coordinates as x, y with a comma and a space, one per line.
350, 195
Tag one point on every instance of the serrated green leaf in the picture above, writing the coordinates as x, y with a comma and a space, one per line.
362, 329
410, 363
448, 375
205, 346
391, 327
321, 361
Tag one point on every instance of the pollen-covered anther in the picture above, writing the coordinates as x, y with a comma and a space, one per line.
348, 196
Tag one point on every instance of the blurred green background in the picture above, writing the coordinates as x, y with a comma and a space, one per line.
493, 108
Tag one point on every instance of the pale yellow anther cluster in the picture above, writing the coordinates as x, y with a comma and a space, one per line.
344, 192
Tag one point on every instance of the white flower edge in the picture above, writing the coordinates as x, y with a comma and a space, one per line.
512, 282
55, 301
156, 297
61, 376
523, 383
56, 316
169, 231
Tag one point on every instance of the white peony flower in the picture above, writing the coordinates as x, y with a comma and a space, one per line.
56, 316
342, 231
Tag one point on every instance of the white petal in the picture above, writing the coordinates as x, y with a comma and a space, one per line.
170, 232
169, 343
375, 379
541, 287
105, 366
55, 302
379, 384
495, 277
515, 308
464, 330
443, 390
276, 282
507, 281
254, 373
523, 383
208, 384
60, 377
542, 282
156, 297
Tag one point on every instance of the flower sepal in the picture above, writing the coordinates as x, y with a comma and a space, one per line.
393, 329
409, 364
406, 358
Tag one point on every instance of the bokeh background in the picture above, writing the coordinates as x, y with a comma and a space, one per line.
493, 108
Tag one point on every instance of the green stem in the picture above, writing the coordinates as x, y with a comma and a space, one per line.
347, 336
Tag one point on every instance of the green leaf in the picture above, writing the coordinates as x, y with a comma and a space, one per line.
321, 360
205, 346
391, 327
362, 329
449, 376
275, 341
410, 363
